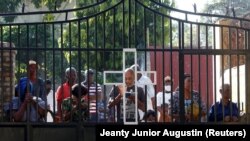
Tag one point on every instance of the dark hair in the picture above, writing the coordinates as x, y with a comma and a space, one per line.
186, 75
48, 82
149, 113
89, 72
79, 90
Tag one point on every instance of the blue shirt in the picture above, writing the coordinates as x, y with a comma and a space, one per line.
218, 112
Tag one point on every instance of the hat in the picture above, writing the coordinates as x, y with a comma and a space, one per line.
167, 78
32, 62
90, 71
137, 67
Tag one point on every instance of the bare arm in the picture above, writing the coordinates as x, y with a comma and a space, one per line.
19, 114
114, 101
59, 108
117, 99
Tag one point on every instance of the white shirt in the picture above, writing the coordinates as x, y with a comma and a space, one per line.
160, 98
143, 82
50, 100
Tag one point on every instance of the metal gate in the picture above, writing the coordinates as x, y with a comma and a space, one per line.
168, 41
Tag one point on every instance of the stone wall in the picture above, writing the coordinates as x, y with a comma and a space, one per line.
7, 75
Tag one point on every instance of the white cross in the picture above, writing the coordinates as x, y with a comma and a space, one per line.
126, 50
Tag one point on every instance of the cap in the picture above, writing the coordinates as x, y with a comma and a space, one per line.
32, 62
90, 71
167, 78
137, 67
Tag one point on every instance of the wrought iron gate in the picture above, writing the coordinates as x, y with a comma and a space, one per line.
167, 40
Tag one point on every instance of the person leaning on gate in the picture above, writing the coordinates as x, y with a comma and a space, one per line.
224, 110
37, 82
25, 106
63, 91
116, 98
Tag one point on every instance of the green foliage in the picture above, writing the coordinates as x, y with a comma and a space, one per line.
48, 17
114, 29
51, 4
237, 8
107, 30
9, 6
226, 7
27, 37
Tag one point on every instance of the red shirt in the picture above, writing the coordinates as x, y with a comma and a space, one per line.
63, 92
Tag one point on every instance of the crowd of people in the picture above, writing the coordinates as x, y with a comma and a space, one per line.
86, 101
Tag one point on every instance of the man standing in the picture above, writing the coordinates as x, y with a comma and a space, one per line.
64, 90
26, 107
37, 82
116, 98
95, 97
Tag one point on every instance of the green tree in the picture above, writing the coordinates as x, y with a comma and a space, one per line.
9, 6
116, 28
30, 38
111, 30
232, 8
12, 6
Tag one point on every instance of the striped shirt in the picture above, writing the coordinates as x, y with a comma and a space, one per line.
94, 97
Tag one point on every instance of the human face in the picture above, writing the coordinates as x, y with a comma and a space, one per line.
32, 69
72, 77
226, 92
48, 88
187, 83
167, 86
74, 100
90, 78
151, 118
129, 78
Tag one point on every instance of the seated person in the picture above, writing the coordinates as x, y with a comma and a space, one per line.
150, 116
224, 110
72, 106
164, 115
25, 106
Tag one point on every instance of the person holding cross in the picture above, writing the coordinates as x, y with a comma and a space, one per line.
117, 94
